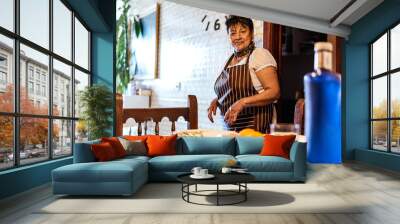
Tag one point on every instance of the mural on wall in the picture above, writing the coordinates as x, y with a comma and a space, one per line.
191, 57
137, 42
182, 50
145, 46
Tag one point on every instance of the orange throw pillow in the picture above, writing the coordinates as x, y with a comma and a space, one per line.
116, 145
103, 152
275, 145
161, 145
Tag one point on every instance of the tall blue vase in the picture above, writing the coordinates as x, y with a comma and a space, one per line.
322, 116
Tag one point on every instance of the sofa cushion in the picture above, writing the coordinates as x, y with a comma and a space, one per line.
161, 145
103, 152
116, 145
111, 171
257, 163
132, 158
277, 145
206, 145
135, 138
249, 145
136, 147
185, 163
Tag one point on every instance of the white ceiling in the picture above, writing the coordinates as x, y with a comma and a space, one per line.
316, 15
321, 9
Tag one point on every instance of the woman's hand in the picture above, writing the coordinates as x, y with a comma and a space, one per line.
212, 109
234, 110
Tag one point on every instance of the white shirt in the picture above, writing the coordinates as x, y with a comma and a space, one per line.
259, 59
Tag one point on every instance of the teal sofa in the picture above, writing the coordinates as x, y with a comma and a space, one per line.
125, 176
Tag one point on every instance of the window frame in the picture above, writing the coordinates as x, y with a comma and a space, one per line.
16, 114
3, 70
388, 74
3, 74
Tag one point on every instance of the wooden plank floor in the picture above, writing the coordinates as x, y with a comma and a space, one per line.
378, 189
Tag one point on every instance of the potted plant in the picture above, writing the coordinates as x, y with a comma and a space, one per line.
96, 102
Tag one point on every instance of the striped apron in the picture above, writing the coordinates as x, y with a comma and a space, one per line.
235, 83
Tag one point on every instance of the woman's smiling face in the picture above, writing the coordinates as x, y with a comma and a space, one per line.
240, 36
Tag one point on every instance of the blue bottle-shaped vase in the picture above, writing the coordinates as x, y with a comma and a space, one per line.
323, 108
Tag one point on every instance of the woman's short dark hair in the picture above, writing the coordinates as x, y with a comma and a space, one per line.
233, 20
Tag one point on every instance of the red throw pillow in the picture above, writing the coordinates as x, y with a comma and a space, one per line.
103, 151
116, 145
277, 145
161, 145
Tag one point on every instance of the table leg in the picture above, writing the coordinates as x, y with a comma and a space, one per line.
217, 194
245, 193
188, 190
196, 188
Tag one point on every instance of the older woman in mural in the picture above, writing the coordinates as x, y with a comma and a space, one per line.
248, 85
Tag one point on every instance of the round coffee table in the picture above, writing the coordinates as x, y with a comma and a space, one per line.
238, 179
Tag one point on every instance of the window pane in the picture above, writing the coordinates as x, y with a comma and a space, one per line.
6, 74
81, 81
33, 140
379, 55
81, 131
7, 14
81, 45
62, 29
35, 21
395, 138
6, 142
34, 82
379, 97
395, 94
395, 47
62, 138
379, 135
62, 89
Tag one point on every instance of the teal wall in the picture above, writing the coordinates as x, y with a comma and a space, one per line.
356, 67
379, 159
102, 58
103, 53
24, 178
102, 64
99, 15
